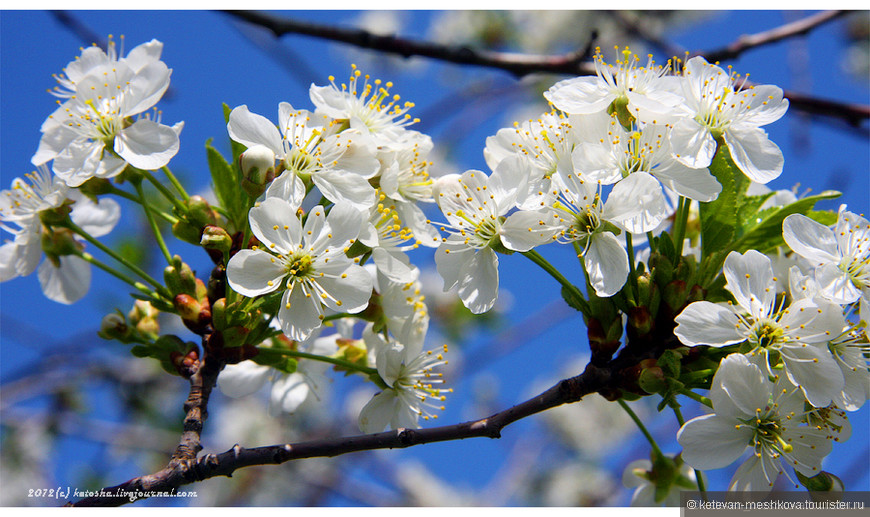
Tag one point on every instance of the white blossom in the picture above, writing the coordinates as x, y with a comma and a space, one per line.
751, 411
308, 263
714, 109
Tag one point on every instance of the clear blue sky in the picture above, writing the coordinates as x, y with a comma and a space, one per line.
213, 63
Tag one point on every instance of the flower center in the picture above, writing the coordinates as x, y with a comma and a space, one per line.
298, 267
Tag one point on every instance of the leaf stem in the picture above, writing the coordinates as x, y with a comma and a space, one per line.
698, 477
156, 229
536, 257
87, 257
641, 426
123, 261
332, 360
175, 182
165, 191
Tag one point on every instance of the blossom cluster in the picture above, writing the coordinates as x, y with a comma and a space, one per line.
333, 198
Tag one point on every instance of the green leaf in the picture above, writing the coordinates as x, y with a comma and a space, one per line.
227, 185
719, 218
573, 301
748, 212
766, 235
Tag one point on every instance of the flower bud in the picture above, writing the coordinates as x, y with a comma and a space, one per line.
215, 238
258, 169
187, 306
113, 326
143, 317
200, 213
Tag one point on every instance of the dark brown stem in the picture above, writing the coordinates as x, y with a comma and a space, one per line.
180, 473
517, 64
789, 30
573, 63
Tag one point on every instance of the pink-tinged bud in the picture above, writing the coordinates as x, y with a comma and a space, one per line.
258, 169
187, 306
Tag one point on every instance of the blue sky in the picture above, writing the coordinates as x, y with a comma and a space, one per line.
213, 64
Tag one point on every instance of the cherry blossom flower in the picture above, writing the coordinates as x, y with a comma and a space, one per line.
645, 90
64, 278
576, 214
289, 390
751, 411
308, 263
841, 256
713, 109
368, 107
308, 147
797, 333
639, 162
93, 133
474, 204
411, 382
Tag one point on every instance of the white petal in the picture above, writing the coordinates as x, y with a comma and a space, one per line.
524, 230
254, 272
250, 129
478, 282
697, 184
288, 187
276, 225
580, 95
345, 222
606, 263
302, 317
147, 145
835, 284
242, 379
750, 280
739, 388
751, 476
96, 219
810, 239
449, 259
288, 393
352, 287
692, 144
395, 266
637, 203
712, 442
705, 323
68, 283
754, 153
146, 88
815, 371
378, 412
338, 186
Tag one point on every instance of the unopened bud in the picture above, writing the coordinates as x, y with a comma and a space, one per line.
114, 326
215, 238
258, 169
200, 212
187, 306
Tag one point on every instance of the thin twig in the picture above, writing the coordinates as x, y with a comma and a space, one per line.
573, 63
789, 30
517, 64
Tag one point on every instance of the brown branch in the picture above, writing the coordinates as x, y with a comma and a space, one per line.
517, 64
789, 30
572, 63
179, 474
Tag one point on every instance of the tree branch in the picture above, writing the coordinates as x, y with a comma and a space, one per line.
178, 474
789, 30
572, 63
517, 64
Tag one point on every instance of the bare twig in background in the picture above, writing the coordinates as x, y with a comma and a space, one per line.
515, 63
789, 30
573, 63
